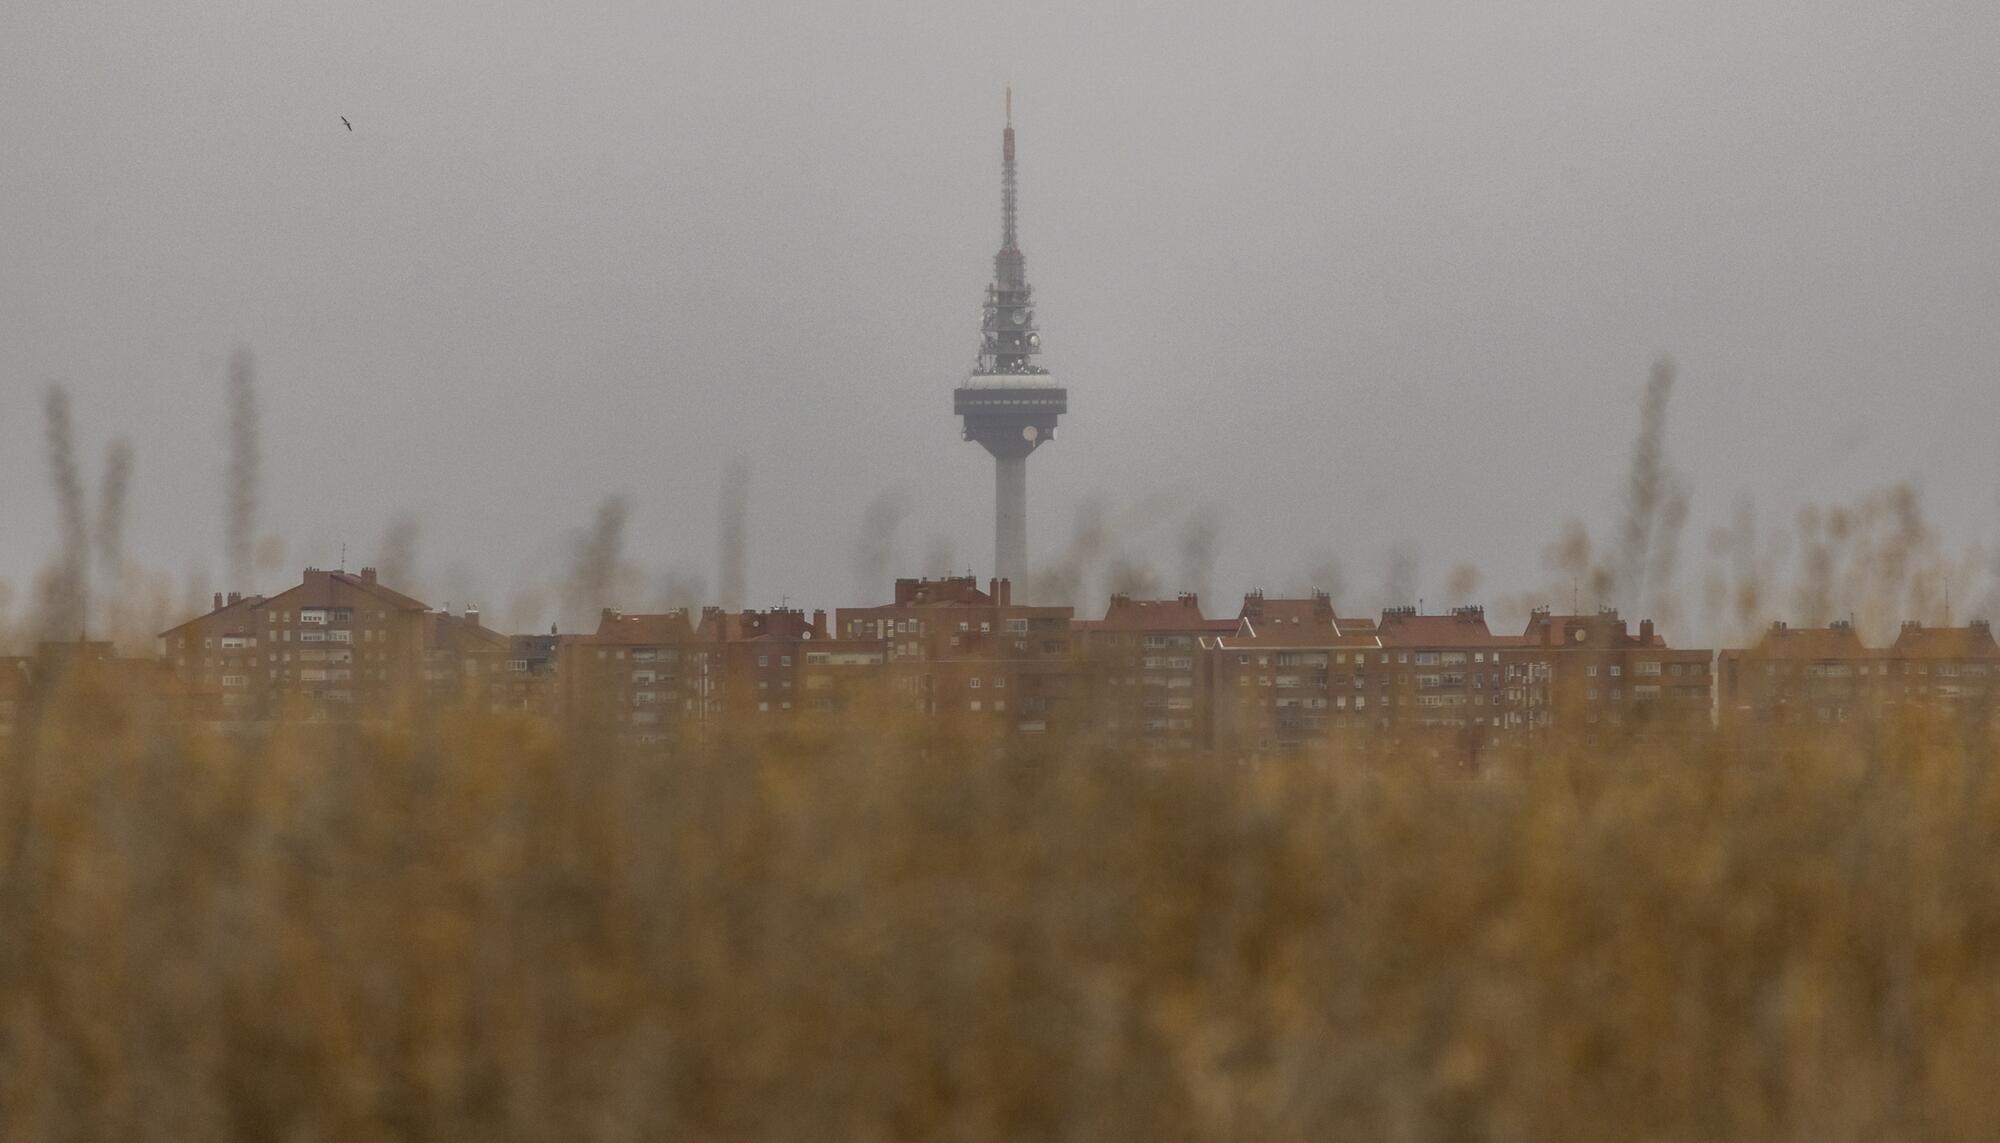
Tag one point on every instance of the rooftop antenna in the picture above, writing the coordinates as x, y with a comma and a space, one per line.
343, 557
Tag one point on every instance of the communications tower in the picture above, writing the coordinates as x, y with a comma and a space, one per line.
1009, 403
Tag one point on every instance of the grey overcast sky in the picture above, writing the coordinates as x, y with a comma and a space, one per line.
1365, 276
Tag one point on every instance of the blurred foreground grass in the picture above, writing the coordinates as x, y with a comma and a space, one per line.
481, 931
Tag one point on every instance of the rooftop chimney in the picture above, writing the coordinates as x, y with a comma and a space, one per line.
471, 613
367, 575
218, 601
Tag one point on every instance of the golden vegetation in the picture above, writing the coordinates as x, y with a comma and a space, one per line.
480, 930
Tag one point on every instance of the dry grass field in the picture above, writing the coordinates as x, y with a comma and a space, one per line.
477, 930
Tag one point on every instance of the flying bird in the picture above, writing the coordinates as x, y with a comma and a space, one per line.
349, 126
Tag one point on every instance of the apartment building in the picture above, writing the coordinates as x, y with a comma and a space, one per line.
778, 662
1601, 675
643, 676
953, 649
111, 688
675, 677
1294, 676
1450, 680
462, 658
337, 646
219, 652
527, 682
1147, 670
1828, 675
1952, 669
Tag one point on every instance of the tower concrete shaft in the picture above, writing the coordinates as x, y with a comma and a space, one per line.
1010, 405
1010, 518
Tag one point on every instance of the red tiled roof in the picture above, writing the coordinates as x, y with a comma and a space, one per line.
390, 596
638, 630
1183, 614
304, 594
1403, 629
1312, 610
455, 630
1970, 642
244, 606
1299, 637
1838, 642
1605, 629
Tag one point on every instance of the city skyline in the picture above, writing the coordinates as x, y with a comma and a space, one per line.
1350, 311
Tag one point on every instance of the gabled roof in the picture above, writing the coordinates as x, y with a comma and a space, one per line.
1137, 615
239, 609
1313, 609
1465, 627
1836, 642
616, 628
330, 588
1299, 638
458, 633
1973, 641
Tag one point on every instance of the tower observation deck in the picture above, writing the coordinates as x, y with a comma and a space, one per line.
1010, 405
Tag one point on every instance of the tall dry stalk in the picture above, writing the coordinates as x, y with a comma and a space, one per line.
1197, 545
66, 590
245, 468
1400, 584
875, 550
1651, 516
111, 507
733, 559
1067, 578
396, 551
596, 562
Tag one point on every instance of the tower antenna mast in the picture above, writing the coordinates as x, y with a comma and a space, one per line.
1009, 404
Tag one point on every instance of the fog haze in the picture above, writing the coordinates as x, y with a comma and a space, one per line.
1370, 280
